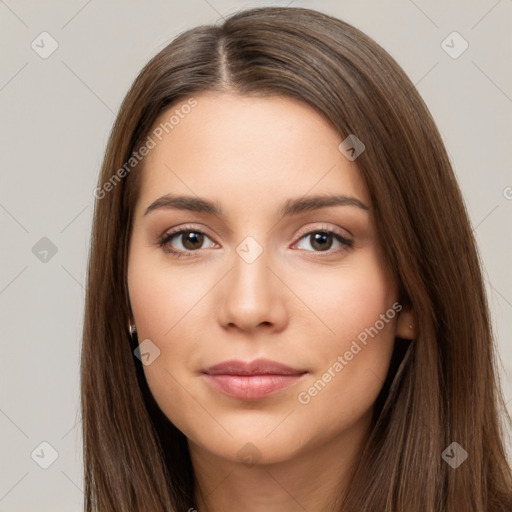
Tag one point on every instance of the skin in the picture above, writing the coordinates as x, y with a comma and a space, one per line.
296, 303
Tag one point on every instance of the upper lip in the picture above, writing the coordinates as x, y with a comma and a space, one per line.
256, 367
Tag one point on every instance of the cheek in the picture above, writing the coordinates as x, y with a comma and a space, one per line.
344, 391
350, 300
161, 296
361, 309
165, 302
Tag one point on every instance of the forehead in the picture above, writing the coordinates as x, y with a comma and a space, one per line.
249, 150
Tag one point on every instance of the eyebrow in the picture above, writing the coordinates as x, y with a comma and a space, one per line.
290, 207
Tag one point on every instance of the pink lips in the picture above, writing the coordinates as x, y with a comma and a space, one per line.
251, 380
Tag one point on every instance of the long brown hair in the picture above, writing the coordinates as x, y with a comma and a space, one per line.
443, 390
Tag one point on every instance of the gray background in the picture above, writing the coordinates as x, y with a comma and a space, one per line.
56, 115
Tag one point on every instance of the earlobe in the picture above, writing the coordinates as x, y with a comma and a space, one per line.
405, 325
131, 327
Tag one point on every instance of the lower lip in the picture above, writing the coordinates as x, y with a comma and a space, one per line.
251, 387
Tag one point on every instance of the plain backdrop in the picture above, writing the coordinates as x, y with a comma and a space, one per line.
56, 114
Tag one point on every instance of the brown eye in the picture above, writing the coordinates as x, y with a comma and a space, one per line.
192, 240
323, 241
184, 241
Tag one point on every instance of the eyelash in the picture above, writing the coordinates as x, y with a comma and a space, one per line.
165, 239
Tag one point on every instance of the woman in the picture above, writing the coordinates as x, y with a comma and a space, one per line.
285, 309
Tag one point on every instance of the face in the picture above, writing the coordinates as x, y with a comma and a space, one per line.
238, 255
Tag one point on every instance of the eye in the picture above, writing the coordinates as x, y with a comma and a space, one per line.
322, 240
183, 241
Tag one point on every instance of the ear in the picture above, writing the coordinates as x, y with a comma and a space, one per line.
131, 323
406, 327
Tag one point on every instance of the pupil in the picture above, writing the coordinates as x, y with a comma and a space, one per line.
192, 240
319, 239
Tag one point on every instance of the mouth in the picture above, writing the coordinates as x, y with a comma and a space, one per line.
251, 380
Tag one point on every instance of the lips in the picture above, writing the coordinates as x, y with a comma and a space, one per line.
256, 367
251, 380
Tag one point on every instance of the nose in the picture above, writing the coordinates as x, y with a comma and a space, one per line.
252, 296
